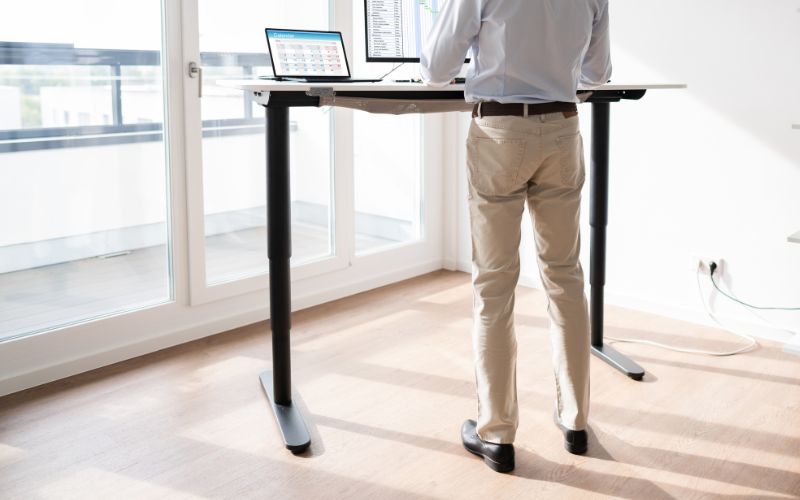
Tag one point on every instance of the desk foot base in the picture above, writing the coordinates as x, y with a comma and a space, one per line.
290, 421
619, 361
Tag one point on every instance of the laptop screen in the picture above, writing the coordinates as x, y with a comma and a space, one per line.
307, 53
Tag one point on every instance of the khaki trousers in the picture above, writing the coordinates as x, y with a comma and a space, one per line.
539, 160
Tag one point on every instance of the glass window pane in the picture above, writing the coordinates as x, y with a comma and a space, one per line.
138, 86
234, 180
387, 161
387, 180
83, 212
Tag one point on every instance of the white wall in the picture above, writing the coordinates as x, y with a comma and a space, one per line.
713, 170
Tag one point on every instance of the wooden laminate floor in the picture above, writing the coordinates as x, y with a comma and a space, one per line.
385, 379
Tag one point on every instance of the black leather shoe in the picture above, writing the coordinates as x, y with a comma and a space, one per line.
576, 442
499, 457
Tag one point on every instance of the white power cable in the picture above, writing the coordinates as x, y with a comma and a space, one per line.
753, 342
391, 71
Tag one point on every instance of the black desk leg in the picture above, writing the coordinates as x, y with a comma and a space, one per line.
599, 220
278, 383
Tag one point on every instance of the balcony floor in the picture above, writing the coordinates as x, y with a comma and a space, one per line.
62, 294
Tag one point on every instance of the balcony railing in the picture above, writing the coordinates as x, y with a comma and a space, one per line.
117, 132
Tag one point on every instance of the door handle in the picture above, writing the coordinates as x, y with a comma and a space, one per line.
196, 71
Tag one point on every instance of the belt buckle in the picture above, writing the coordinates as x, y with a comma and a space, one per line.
525, 110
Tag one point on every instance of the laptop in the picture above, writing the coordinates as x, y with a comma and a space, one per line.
309, 56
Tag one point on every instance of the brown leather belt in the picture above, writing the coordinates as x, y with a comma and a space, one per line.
489, 108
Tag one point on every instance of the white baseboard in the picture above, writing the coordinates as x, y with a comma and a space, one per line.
450, 265
730, 323
793, 346
67, 367
761, 331
98, 359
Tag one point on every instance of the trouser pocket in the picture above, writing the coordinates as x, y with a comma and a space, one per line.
570, 157
494, 163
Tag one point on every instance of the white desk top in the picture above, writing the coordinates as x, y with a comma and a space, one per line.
257, 85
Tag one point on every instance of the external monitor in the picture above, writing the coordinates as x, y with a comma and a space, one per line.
397, 29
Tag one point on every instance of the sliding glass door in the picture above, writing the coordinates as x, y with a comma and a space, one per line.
83, 171
90, 204
232, 151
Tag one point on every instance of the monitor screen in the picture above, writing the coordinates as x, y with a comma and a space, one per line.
307, 53
397, 29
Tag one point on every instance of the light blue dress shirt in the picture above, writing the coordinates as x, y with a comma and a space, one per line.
527, 51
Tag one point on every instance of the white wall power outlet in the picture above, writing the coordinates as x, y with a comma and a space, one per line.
703, 264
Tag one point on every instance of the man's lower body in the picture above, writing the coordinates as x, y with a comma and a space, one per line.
514, 160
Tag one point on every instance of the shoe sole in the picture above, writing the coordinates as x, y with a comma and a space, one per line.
495, 466
575, 450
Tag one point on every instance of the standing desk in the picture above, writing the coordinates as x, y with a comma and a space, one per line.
399, 98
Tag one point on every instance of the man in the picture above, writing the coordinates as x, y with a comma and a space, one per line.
529, 58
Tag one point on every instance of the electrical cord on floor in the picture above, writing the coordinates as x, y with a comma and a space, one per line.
713, 268
753, 343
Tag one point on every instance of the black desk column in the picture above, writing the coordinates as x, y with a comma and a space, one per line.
278, 383
598, 220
